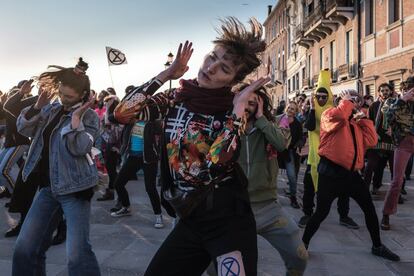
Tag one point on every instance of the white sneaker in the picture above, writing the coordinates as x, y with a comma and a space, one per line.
124, 211
158, 222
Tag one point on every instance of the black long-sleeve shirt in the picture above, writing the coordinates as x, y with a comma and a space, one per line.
310, 123
10, 111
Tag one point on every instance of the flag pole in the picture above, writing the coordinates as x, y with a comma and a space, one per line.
110, 74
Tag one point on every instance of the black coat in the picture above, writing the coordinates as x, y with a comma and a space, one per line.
10, 111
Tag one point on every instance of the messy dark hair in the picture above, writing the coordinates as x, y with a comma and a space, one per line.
243, 46
264, 95
386, 84
74, 77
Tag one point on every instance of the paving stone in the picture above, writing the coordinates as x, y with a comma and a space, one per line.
124, 246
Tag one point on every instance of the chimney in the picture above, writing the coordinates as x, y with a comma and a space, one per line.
269, 9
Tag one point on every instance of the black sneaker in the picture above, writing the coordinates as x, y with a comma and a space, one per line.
348, 222
303, 221
403, 191
117, 207
384, 252
14, 231
4, 192
124, 211
294, 203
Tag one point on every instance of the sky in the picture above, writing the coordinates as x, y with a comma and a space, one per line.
38, 33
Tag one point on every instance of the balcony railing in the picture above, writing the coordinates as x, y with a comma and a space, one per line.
338, 3
306, 82
347, 71
313, 16
323, 21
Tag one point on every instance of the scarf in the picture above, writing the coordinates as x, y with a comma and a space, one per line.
202, 100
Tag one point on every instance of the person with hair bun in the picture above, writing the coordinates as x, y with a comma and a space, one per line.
63, 133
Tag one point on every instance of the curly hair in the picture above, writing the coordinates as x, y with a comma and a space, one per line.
74, 77
243, 46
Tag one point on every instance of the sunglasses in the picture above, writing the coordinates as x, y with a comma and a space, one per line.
321, 97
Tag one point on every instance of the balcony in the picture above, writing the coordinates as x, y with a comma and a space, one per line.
306, 82
314, 81
347, 71
334, 75
323, 21
279, 75
339, 10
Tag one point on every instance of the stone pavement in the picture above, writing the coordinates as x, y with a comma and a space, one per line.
124, 246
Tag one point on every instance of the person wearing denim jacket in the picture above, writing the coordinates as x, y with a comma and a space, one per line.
63, 134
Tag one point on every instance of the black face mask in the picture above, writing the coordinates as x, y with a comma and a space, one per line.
100, 105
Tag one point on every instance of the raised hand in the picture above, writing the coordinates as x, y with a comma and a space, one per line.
26, 88
44, 98
409, 95
77, 114
179, 66
241, 98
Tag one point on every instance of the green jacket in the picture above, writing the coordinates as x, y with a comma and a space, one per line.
259, 169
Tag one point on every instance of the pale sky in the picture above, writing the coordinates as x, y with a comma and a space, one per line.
34, 34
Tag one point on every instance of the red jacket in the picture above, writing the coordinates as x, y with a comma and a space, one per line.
337, 141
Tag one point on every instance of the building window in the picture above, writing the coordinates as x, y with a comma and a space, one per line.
396, 83
332, 57
370, 89
297, 81
309, 8
393, 11
278, 60
283, 58
310, 67
349, 55
288, 85
369, 17
321, 54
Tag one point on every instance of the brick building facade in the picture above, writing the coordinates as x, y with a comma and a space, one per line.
362, 42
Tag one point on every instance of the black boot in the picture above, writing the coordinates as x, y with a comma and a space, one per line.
61, 233
293, 202
14, 231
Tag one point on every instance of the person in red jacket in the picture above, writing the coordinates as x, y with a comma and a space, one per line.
346, 133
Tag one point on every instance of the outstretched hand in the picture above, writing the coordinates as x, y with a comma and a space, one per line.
26, 88
179, 66
44, 98
77, 114
241, 98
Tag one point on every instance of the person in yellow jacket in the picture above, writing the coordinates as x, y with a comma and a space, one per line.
320, 101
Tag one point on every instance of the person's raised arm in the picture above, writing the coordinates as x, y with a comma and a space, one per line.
147, 107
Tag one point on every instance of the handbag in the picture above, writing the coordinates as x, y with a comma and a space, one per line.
184, 202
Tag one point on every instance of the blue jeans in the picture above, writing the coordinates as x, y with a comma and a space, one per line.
291, 173
36, 235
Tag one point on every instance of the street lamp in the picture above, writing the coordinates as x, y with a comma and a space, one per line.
170, 59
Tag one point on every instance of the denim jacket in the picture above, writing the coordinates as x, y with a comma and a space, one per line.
71, 167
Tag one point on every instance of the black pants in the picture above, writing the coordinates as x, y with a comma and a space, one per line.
24, 193
198, 240
351, 185
309, 195
409, 167
129, 171
377, 161
111, 163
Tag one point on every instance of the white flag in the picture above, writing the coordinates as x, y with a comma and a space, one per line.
115, 57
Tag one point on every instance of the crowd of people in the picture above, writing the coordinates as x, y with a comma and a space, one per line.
217, 145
